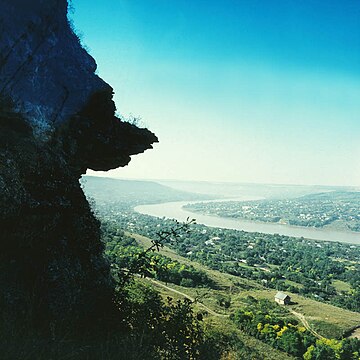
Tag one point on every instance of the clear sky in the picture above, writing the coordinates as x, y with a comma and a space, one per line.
264, 91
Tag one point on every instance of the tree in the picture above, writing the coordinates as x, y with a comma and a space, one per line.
319, 352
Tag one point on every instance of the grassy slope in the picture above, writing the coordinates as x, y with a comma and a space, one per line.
259, 350
226, 285
224, 281
329, 321
108, 190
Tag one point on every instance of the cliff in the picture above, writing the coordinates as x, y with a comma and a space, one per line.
57, 119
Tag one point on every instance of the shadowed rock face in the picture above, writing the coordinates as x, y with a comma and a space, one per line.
99, 140
56, 121
43, 67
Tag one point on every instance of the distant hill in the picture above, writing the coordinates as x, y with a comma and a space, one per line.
334, 196
267, 191
104, 189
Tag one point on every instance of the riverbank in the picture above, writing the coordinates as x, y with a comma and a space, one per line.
175, 210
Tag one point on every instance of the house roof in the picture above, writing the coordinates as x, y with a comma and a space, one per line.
281, 296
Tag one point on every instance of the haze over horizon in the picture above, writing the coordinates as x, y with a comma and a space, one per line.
236, 91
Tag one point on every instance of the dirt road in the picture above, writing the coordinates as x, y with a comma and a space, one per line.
302, 318
210, 311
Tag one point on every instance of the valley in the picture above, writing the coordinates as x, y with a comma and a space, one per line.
227, 273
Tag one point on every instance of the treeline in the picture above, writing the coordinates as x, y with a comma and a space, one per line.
124, 253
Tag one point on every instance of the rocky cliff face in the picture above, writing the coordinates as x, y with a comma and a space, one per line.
56, 120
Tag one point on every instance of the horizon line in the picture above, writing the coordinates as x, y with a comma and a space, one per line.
220, 182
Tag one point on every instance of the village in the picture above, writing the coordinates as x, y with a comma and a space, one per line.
338, 210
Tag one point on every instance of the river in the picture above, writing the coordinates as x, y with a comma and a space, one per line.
174, 210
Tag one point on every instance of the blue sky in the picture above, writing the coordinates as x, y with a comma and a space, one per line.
242, 91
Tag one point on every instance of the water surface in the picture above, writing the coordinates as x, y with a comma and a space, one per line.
175, 210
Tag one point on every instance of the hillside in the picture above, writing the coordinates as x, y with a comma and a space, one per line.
229, 274
321, 320
329, 321
267, 191
108, 190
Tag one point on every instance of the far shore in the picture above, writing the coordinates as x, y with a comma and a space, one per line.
175, 210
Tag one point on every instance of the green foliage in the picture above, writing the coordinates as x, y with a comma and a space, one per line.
275, 261
324, 349
128, 258
220, 342
162, 330
301, 266
223, 301
273, 325
350, 348
166, 330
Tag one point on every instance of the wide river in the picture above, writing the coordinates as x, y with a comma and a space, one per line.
174, 210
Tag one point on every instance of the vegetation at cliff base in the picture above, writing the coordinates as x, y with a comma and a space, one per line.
252, 315
228, 276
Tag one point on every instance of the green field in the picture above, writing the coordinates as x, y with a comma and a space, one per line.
341, 286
